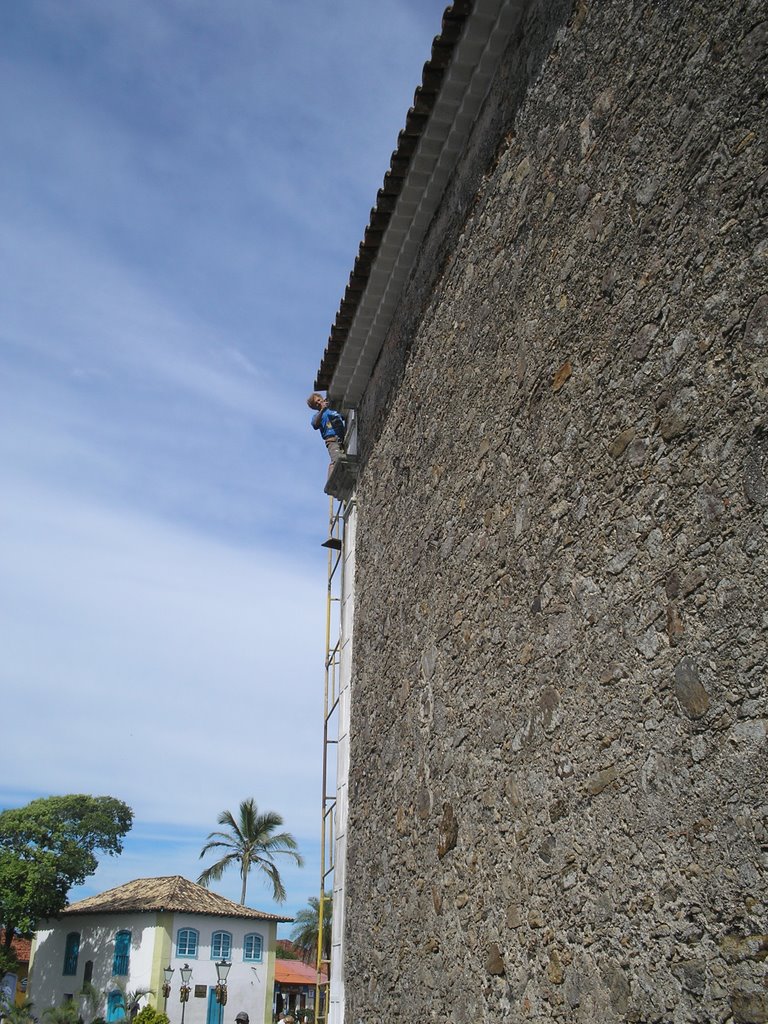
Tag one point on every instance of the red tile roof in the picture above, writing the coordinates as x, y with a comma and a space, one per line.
296, 972
21, 947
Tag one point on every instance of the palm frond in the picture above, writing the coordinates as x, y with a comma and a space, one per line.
278, 889
227, 818
215, 871
251, 841
306, 926
215, 844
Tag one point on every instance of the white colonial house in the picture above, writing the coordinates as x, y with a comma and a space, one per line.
125, 939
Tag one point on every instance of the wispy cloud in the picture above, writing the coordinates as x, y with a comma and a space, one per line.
182, 191
169, 660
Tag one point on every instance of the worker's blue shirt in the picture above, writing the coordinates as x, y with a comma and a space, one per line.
330, 424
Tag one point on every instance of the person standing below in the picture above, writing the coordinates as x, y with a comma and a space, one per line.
330, 423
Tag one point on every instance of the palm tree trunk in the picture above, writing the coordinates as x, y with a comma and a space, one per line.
244, 868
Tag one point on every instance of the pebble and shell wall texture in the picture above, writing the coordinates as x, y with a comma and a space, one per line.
558, 805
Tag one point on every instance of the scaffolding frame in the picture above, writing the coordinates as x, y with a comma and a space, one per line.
333, 641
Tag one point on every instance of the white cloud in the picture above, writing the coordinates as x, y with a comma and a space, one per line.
155, 660
184, 188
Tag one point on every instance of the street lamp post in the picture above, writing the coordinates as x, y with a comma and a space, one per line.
222, 970
186, 974
167, 975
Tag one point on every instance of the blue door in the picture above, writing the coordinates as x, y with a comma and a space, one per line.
115, 1006
214, 1010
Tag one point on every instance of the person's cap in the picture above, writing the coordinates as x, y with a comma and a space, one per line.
243, 1016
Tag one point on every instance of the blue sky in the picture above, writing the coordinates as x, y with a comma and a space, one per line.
183, 188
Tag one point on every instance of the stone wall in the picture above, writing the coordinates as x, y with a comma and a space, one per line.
558, 767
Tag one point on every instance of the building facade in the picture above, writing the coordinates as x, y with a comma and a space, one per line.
122, 940
13, 986
296, 985
555, 341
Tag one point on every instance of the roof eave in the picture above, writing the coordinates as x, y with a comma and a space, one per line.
256, 916
464, 59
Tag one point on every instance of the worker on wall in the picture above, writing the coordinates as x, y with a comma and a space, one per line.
330, 423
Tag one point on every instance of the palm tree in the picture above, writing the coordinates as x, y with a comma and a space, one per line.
304, 934
250, 843
131, 999
66, 1014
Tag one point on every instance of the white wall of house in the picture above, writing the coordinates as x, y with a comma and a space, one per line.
153, 946
49, 986
250, 985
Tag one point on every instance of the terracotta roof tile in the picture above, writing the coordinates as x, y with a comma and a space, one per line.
172, 893
21, 947
296, 972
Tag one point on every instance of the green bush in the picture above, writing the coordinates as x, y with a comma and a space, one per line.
66, 1014
149, 1015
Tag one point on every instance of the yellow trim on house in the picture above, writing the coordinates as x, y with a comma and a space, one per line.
161, 956
271, 945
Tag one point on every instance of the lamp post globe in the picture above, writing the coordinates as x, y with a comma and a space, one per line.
186, 974
222, 970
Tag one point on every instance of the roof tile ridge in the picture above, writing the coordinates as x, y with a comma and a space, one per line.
424, 99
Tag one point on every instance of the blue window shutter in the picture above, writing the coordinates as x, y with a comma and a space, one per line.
122, 954
71, 952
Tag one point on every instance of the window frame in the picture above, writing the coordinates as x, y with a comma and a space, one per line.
122, 954
253, 959
187, 932
221, 954
71, 954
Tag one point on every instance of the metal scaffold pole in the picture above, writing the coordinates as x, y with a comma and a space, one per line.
335, 545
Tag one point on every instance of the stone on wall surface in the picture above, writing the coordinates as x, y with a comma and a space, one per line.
558, 767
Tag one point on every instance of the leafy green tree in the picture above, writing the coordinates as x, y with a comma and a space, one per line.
8, 962
250, 843
47, 847
307, 925
284, 953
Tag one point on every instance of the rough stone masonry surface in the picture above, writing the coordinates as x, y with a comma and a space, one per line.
558, 803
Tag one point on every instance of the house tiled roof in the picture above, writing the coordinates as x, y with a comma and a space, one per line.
416, 120
296, 972
20, 947
171, 893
